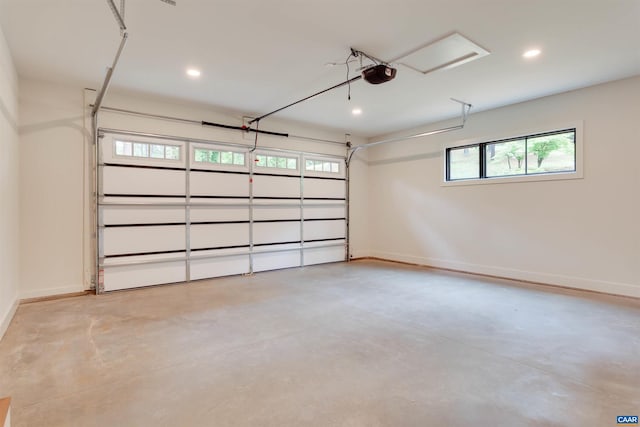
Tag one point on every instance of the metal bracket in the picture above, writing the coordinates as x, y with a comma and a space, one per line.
466, 107
118, 14
358, 53
107, 79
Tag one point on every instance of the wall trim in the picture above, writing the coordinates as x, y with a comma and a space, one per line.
8, 317
56, 297
536, 278
27, 295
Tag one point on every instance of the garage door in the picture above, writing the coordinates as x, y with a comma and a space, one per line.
174, 210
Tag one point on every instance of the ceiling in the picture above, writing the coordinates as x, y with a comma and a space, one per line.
256, 56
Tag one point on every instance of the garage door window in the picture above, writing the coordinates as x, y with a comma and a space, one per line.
146, 150
277, 162
322, 166
219, 157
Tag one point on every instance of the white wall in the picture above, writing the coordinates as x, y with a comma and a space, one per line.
359, 212
51, 196
582, 233
579, 233
55, 149
9, 188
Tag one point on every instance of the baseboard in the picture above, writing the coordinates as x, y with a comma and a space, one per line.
5, 321
580, 283
357, 254
56, 297
28, 295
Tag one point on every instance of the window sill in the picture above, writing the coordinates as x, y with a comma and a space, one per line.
557, 176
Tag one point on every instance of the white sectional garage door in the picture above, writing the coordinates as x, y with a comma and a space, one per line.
177, 210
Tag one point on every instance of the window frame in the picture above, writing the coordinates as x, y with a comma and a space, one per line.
322, 161
482, 143
480, 160
277, 157
220, 151
148, 158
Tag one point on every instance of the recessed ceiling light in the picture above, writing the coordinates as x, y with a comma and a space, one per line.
356, 111
531, 53
192, 72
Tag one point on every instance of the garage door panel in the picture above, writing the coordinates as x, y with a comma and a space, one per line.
133, 240
132, 276
169, 201
219, 235
141, 215
276, 232
324, 255
268, 203
109, 152
276, 260
218, 267
319, 212
276, 186
221, 213
142, 181
270, 213
226, 201
324, 188
318, 230
219, 184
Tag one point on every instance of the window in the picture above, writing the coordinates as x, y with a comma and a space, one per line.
171, 152
464, 162
124, 148
147, 150
277, 162
505, 158
203, 155
322, 166
537, 154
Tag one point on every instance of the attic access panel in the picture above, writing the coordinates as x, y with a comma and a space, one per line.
447, 52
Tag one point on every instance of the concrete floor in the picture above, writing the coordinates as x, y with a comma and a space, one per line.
360, 344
